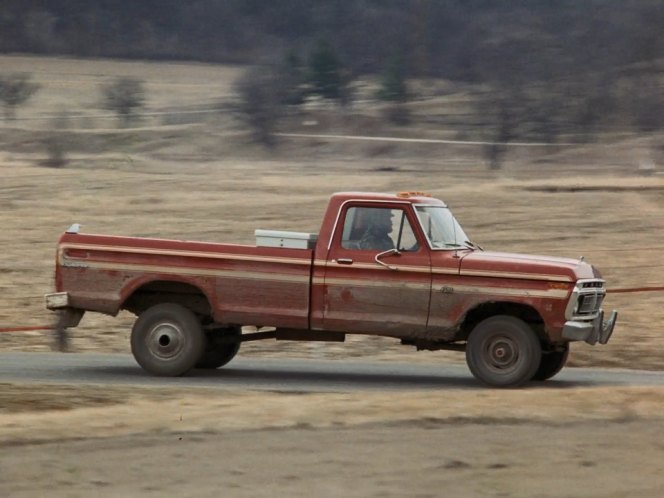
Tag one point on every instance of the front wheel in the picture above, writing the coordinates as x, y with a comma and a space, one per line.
167, 339
503, 351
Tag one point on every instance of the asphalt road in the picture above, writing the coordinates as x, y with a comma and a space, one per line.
286, 374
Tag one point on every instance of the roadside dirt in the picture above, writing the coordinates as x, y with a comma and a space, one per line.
419, 459
150, 442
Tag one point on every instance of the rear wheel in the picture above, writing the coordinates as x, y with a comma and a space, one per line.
551, 363
503, 351
167, 339
218, 353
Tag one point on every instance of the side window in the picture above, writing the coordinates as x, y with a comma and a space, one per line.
377, 229
406, 237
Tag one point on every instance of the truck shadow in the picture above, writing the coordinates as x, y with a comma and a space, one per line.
346, 380
359, 380
301, 378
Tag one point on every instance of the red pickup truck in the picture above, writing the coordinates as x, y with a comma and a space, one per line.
396, 265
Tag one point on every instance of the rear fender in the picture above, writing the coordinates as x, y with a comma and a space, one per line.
146, 291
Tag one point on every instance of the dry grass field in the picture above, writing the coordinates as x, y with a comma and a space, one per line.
205, 180
197, 175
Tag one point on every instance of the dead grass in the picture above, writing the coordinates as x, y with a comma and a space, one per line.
16, 398
206, 181
32, 413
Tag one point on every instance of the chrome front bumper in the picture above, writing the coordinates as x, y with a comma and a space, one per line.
592, 332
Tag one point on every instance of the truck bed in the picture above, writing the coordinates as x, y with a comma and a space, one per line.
241, 284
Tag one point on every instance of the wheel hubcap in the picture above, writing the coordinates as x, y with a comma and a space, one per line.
166, 340
501, 353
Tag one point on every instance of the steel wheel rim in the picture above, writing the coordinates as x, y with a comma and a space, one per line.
165, 340
501, 353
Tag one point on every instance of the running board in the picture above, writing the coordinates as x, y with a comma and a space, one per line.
426, 345
289, 335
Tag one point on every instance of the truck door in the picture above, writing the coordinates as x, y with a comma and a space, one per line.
377, 275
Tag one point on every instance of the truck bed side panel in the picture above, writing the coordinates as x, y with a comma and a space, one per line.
244, 284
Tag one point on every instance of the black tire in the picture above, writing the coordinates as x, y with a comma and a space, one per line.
167, 340
551, 363
503, 351
218, 354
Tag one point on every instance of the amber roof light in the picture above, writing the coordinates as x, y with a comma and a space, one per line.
413, 194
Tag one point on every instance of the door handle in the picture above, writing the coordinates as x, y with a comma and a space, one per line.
345, 261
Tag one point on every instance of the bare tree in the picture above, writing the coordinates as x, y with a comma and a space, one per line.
502, 110
57, 142
263, 94
646, 103
124, 96
15, 90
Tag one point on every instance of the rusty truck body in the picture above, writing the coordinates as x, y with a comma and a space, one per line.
421, 282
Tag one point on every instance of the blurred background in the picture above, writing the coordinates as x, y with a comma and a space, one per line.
540, 122
546, 71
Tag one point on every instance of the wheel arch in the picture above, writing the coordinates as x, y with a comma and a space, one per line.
145, 293
525, 312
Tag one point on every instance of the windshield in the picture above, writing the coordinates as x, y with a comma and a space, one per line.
440, 227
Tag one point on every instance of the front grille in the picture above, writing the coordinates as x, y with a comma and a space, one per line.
586, 300
589, 303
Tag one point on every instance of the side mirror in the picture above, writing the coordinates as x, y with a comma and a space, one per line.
384, 254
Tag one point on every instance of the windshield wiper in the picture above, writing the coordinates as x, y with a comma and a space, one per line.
472, 245
467, 244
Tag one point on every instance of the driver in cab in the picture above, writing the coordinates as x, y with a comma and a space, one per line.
376, 237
